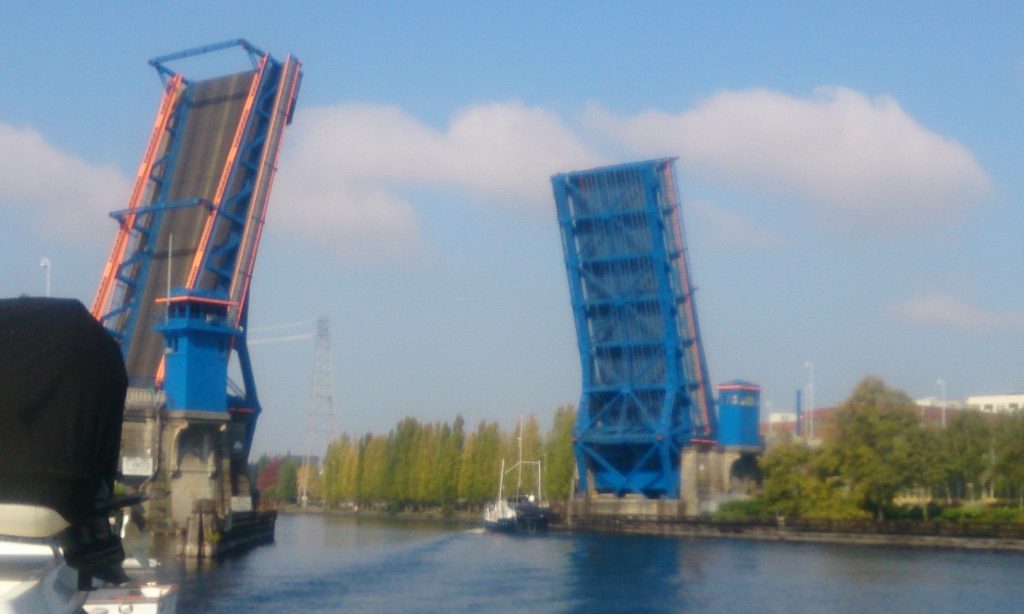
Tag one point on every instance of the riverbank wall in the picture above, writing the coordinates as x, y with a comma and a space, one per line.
434, 516
973, 536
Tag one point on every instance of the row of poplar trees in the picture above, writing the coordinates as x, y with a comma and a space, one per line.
440, 465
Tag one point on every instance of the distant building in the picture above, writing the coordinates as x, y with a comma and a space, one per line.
778, 425
936, 402
782, 425
1008, 403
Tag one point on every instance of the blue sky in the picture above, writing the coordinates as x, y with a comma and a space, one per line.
850, 175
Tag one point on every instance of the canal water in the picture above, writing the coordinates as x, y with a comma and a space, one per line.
327, 564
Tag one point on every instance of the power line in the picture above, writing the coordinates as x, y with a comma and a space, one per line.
281, 339
280, 326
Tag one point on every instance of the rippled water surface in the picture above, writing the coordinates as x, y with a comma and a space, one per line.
324, 564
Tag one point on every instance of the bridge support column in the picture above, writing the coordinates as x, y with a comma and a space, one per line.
198, 464
704, 475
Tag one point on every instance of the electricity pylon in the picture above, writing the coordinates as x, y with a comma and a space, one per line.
320, 417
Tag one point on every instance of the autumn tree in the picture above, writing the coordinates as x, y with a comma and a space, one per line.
266, 482
308, 477
256, 471
277, 481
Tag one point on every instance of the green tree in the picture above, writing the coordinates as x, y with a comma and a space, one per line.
341, 466
803, 483
786, 478
450, 444
401, 453
351, 466
560, 462
877, 444
480, 465
936, 465
423, 486
966, 443
1007, 449
374, 479
287, 479
332, 472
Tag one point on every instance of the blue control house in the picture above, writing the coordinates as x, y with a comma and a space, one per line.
739, 413
198, 342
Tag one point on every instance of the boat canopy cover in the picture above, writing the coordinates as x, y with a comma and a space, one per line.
62, 389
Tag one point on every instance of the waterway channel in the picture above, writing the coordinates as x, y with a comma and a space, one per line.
328, 564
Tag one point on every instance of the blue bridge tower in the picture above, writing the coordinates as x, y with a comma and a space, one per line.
645, 392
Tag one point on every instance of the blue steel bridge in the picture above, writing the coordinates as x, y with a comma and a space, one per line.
645, 393
187, 242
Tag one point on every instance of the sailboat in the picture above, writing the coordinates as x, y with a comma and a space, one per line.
521, 513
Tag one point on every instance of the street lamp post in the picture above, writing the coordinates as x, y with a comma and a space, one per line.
45, 263
810, 401
942, 388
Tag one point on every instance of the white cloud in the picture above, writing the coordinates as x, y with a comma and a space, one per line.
346, 165
859, 160
63, 196
348, 170
940, 310
732, 230
509, 152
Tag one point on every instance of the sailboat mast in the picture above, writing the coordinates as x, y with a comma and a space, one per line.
519, 478
540, 489
501, 479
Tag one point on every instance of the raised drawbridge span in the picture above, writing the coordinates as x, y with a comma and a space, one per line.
646, 394
196, 212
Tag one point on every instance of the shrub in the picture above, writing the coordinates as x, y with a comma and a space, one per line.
740, 510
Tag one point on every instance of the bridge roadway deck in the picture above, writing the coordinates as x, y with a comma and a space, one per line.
212, 120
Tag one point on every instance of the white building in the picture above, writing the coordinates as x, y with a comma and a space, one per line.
997, 403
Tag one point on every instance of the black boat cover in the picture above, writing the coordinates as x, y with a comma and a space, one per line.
62, 389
